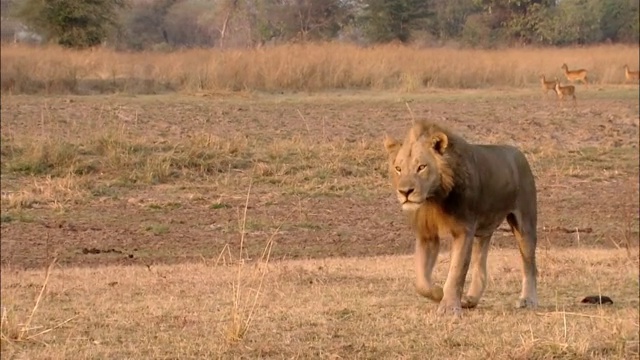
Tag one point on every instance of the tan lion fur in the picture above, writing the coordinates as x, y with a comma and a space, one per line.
446, 184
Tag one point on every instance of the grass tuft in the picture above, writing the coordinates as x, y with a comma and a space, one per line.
13, 329
246, 299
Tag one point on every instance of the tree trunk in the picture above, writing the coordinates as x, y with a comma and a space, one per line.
233, 4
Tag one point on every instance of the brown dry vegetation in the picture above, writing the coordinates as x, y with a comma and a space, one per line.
298, 67
329, 308
160, 183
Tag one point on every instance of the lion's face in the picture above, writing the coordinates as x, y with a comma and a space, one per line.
415, 168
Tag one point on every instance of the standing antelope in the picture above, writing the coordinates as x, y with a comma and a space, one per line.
547, 85
562, 91
573, 75
631, 75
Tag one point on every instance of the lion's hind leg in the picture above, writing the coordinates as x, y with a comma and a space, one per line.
524, 230
479, 272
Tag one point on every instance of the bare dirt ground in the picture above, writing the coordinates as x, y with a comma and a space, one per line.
164, 179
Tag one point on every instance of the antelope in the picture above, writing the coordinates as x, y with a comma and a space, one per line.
631, 75
562, 91
547, 85
573, 75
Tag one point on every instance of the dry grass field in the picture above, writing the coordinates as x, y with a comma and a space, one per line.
250, 224
325, 308
301, 67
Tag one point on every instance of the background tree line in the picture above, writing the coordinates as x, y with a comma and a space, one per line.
168, 24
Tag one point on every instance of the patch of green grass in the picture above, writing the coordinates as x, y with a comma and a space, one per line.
157, 229
309, 225
219, 205
591, 162
43, 157
256, 225
165, 206
101, 190
136, 159
626, 92
172, 205
19, 216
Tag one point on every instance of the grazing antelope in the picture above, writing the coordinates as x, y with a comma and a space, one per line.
573, 75
547, 85
631, 75
562, 91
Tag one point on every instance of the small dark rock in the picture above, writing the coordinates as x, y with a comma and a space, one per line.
597, 299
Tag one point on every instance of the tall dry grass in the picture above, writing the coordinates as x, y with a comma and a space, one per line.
308, 67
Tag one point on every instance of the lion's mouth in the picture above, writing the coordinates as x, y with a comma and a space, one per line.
408, 205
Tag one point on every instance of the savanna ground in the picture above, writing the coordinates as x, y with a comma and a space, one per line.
255, 224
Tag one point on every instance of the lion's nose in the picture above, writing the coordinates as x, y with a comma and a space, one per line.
405, 192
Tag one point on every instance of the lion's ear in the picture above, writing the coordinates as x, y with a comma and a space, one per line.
390, 144
439, 142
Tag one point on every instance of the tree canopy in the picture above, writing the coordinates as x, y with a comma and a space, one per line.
231, 23
72, 23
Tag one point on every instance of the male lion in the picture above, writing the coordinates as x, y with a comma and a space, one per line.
445, 183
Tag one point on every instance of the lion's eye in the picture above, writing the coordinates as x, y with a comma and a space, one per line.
421, 167
398, 168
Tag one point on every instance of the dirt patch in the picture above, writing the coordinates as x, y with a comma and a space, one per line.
164, 179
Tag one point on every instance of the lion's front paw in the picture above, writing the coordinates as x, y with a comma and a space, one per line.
450, 308
526, 303
469, 302
434, 293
